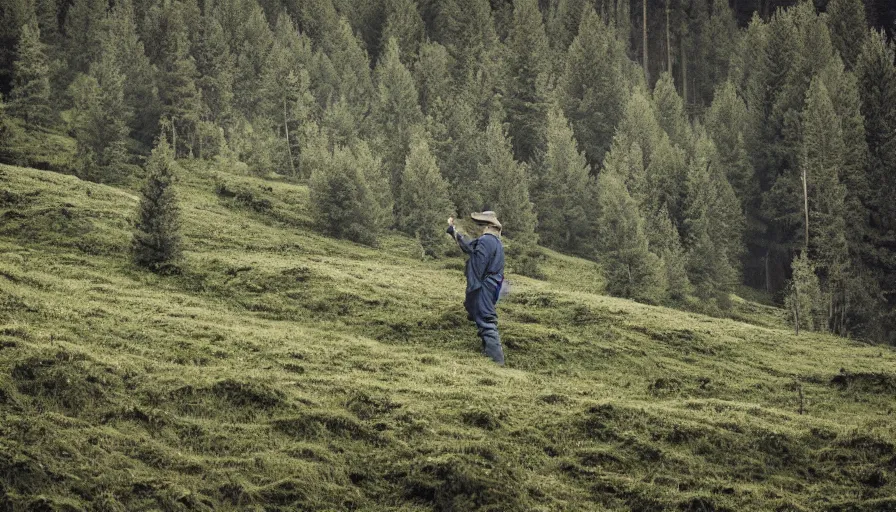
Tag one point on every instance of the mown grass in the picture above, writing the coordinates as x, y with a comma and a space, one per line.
283, 370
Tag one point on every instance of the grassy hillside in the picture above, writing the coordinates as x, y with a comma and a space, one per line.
288, 371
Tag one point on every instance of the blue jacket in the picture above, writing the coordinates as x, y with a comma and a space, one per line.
485, 267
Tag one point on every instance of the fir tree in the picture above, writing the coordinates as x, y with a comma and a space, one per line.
395, 111
343, 72
528, 60
848, 25
181, 100
14, 14
593, 88
423, 205
504, 185
6, 134
561, 196
251, 48
632, 270
30, 98
156, 243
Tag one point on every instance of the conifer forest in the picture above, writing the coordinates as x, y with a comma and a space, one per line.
691, 147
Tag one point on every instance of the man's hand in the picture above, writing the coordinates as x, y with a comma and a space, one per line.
450, 221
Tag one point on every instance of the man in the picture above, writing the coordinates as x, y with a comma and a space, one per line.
485, 275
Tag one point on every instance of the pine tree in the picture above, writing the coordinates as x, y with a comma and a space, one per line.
593, 88
848, 25
528, 60
561, 193
100, 120
156, 243
215, 65
457, 145
84, 31
665, 242
631, 269
181, 99
726, 123
822, 157
251, 48
286, 89
30, 98
804, 298
395, 111
14, 14
626, 160
404, 24
343, 72
711, 228
670, 112
876, 76
6, 134
120, 37
432, 74
422, 205
342, 204
504, 184
466, 29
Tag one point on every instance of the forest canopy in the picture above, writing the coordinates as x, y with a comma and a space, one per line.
691, 147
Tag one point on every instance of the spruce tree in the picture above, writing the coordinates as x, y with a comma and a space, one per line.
848, 25
593, 87
712, 227
404, 24
804, 298
6, 134
100, 120
665, 242
726, 124
395, 111
342, 204
561, 194
14, 14
876, 76
288, 103
466, 29
216, 67
84, 33
432, 74
120, 36
504, 184
30, 98
529, 63
422, 204
670, 112
156, 244
632, 271
457, 145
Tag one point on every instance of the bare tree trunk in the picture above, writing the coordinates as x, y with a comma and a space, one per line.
644, 24
292, 167
806, 205
684, 72
668, 40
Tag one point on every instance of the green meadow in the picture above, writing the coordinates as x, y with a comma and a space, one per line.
284, 370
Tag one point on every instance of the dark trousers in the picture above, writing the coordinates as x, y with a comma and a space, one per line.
480, 307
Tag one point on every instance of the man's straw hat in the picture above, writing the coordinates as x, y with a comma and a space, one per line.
488, 218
